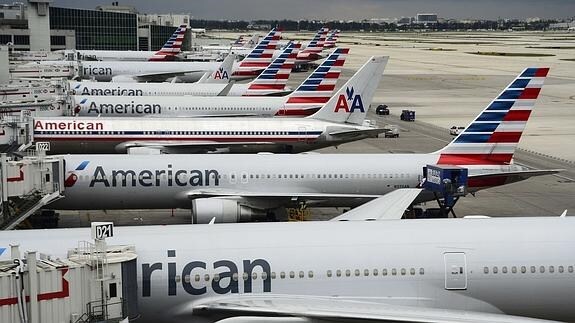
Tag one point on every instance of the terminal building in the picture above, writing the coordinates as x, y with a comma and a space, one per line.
38, 26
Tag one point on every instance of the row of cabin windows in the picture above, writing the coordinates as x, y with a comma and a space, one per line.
219, 108
310, 274
170, 132
233, 177
523, 269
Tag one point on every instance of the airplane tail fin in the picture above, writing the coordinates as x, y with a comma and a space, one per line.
351, 103
318, 88
317, 43
250, 43
331, 40
222, 74
172, 47
274, 78
260, 56
492, 137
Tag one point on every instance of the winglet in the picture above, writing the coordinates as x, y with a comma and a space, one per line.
351, 103
564, 214
390, 206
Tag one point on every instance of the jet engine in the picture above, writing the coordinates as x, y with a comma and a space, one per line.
224, 211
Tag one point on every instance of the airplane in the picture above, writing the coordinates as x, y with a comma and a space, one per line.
313, 52
168, 52
340, 120
264, 184
315, 91
239, 43
476, 270
126, 71
279, 71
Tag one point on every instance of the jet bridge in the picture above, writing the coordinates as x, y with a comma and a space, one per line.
27, 185
94, 283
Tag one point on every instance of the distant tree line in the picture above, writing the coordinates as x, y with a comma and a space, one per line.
450, 25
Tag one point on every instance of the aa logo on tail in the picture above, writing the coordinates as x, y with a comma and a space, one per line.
221, 74
349, 102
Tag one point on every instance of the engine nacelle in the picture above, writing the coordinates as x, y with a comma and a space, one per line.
224, 210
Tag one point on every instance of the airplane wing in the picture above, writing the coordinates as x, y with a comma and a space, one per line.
343, 134
214, 192
510, 177
391, 206
185, 146
338, 309
162, 76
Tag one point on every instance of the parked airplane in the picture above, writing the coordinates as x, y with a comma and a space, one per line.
448, 270
278, 72
260, 184
340, 120
240, 43
127, 71
168, 52
315, 91
313, 52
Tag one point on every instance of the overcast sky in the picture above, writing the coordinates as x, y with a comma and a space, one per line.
343, 9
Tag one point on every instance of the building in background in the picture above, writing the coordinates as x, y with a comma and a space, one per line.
426, 18
30, 26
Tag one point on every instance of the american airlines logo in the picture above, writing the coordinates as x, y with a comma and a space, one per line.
167, 177
221, 74
119, 91
228, 279
68, 125
123, 108
349, 102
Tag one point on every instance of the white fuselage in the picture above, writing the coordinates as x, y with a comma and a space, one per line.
176, 106
106, 70
115, 55
112, 135
112, 182
153, 89
518, 266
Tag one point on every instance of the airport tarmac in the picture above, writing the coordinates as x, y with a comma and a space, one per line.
436, 75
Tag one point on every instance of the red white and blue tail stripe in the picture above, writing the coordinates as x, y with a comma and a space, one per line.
492, 137
331, 39
260, 57
274, 78
172, 47
318, 88
317, 43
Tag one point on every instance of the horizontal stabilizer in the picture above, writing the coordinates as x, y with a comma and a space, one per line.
391, 206
501, 178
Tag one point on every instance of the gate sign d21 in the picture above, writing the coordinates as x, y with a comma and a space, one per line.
102, 230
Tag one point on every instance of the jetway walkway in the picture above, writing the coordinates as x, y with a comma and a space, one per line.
93, 283
27, 185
